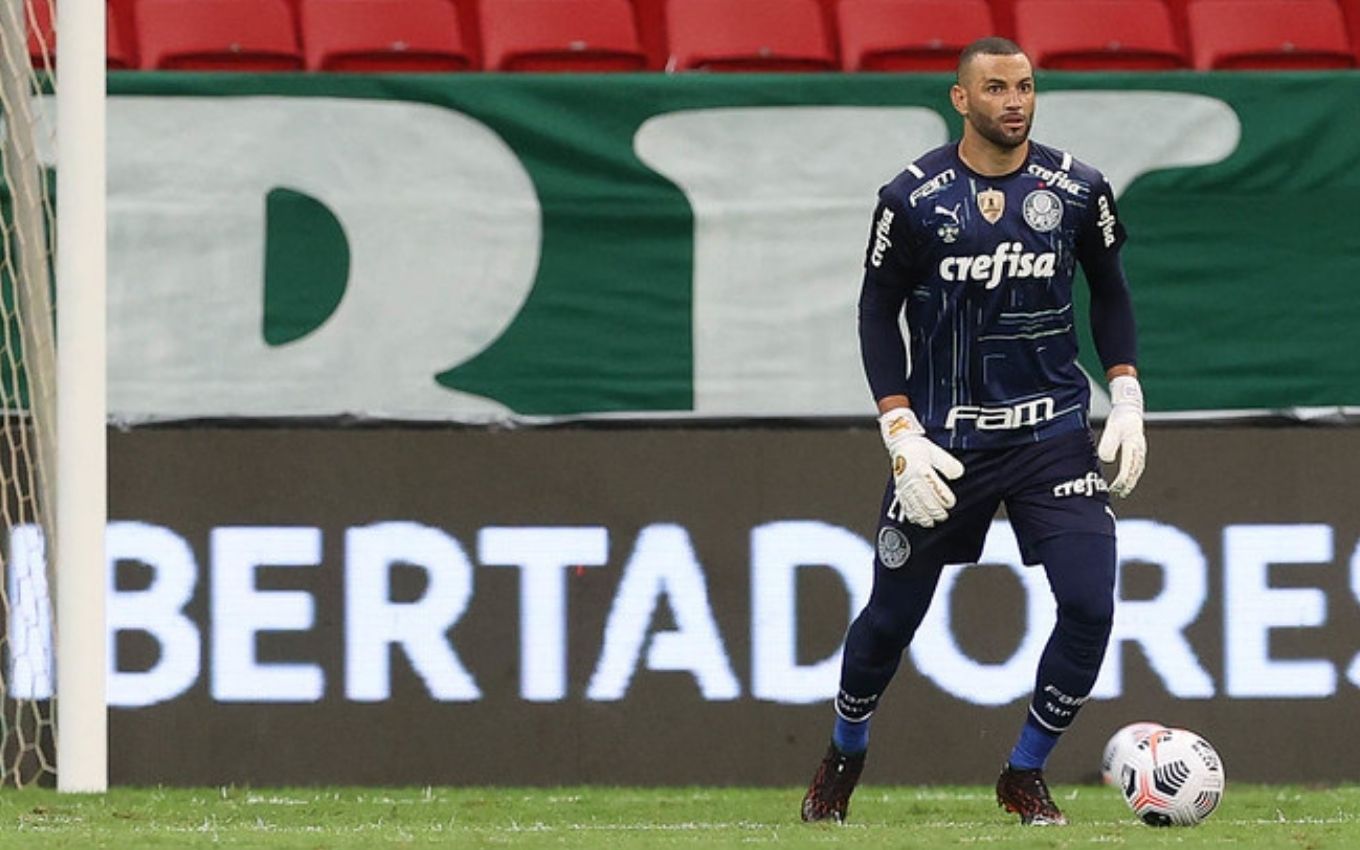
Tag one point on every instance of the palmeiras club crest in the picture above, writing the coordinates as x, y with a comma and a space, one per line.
1043, 210
991, 203
893, 547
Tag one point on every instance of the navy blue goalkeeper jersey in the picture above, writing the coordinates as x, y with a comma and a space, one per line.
982, 269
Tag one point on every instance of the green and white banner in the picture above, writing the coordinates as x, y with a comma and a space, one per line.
489, 247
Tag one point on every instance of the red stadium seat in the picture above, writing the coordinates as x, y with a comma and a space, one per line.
651, 21
909, 35
1112, 35
560, 35
1350, 9
651, 24
123, 33
831, 26
750, 35
382, 35
1003, 16
118, 52
42, 43
1178, 22
217, 35
1276, 35
42, 40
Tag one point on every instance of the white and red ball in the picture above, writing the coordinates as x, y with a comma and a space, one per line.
1119, 746
1172, 777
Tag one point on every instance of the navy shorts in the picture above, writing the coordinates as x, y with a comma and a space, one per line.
1049, 488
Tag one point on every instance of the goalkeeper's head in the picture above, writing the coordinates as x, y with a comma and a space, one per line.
994, 91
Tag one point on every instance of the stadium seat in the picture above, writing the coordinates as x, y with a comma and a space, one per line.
750, 35
651, 21
1110, 35
1350, 10
118, 52
42, 42
1176, 8
382, 35
42, 38
831, 26
217, 35
560, 35
1003, 17
909, 35
651, 24
1275, 35
124, 35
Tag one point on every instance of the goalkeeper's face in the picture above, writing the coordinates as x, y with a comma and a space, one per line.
995, 96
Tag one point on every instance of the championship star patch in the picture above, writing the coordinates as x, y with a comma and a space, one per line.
1043, 210
991, 203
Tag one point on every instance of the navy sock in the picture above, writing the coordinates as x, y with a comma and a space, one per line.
1031, 751
851, 738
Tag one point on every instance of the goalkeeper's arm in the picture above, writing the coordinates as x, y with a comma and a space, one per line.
917, 463
1115, 335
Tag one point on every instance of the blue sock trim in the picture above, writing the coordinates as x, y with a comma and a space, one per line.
850, 738
1032, 750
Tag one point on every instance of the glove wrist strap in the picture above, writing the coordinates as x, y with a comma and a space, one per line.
898, 423
1125, 391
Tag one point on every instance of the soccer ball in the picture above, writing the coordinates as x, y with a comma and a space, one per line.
1172, 777
1120, 745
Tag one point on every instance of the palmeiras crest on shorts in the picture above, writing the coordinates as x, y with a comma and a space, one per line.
893, 547
991, 203
1043, 210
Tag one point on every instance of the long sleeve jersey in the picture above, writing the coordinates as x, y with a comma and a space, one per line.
980, 271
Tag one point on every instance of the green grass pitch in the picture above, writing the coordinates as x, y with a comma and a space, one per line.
1252, 816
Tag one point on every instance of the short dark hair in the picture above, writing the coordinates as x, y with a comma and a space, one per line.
992, 45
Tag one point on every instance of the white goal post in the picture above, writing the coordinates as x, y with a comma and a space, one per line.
53, 486
82, 487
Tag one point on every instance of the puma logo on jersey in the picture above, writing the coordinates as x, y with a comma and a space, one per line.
881, 241
949, 231
1008, 262
952, 212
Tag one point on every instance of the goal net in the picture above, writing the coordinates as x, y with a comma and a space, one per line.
27, 396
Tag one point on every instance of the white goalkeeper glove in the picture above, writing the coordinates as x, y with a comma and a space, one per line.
1123, 435
916, 462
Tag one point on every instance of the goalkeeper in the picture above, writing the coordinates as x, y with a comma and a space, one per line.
976, 246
